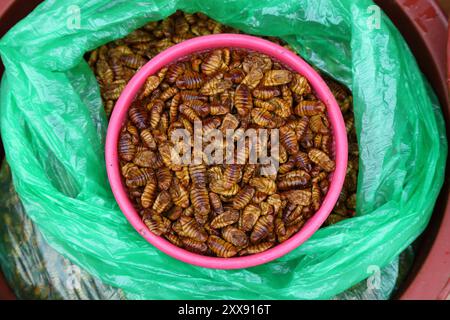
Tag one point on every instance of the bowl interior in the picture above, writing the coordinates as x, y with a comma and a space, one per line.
289, 59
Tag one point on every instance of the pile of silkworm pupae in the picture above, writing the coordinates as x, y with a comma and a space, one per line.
117, 61
226, 210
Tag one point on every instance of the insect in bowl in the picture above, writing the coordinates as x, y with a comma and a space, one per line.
201, 44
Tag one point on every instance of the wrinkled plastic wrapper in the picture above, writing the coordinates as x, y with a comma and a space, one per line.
53, 127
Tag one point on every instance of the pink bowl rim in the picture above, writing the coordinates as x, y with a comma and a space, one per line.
203, 43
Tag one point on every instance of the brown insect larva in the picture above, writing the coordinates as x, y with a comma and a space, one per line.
265, 105
243, 100
134, 133
298, 197
280, 227
211, 123
196, 64
249, 171
174, 213
262, 228
318, 141
318, 125
229, 122
289, 140
283, 107
174, 239
129, 170
144, 158
266, 208
287, 95
215, 173
164, 177
166, 156
296, 174
225, 219
287, 166
188, 95
243, 198
200, 201
259, 197
321, 159
231, 175
115, 90
189, 113
162, 202
174, 71
151, 84
253, 78
163, 125
155, 224
189, 211
183, 176
275, 201
179, 194
274, 78
147, 138
217, 187
309, 108
93, 57
283, 156
173, 108
235, 236
264, 185
349, 123
292, 213
215, 86
257, 248
149, 193
194, 245
264, 93
302, 161
338, 90
104, 71
140, 178
190, 80
198, 175
212, 63
290, 231
168, 93
216, 203
315, 194
263, 118
292, 183
218, 110
156, 107
126, 148
300, 85
249, 217
300, 127
200, 107
109, 105
221, 247
138, 116
235, 75
191, 229
133, 61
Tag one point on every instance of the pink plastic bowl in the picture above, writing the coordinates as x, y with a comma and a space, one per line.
184, 49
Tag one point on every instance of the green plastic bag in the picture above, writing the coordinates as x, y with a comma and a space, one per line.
53, 127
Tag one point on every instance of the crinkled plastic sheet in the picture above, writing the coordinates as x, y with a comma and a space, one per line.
53, 128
